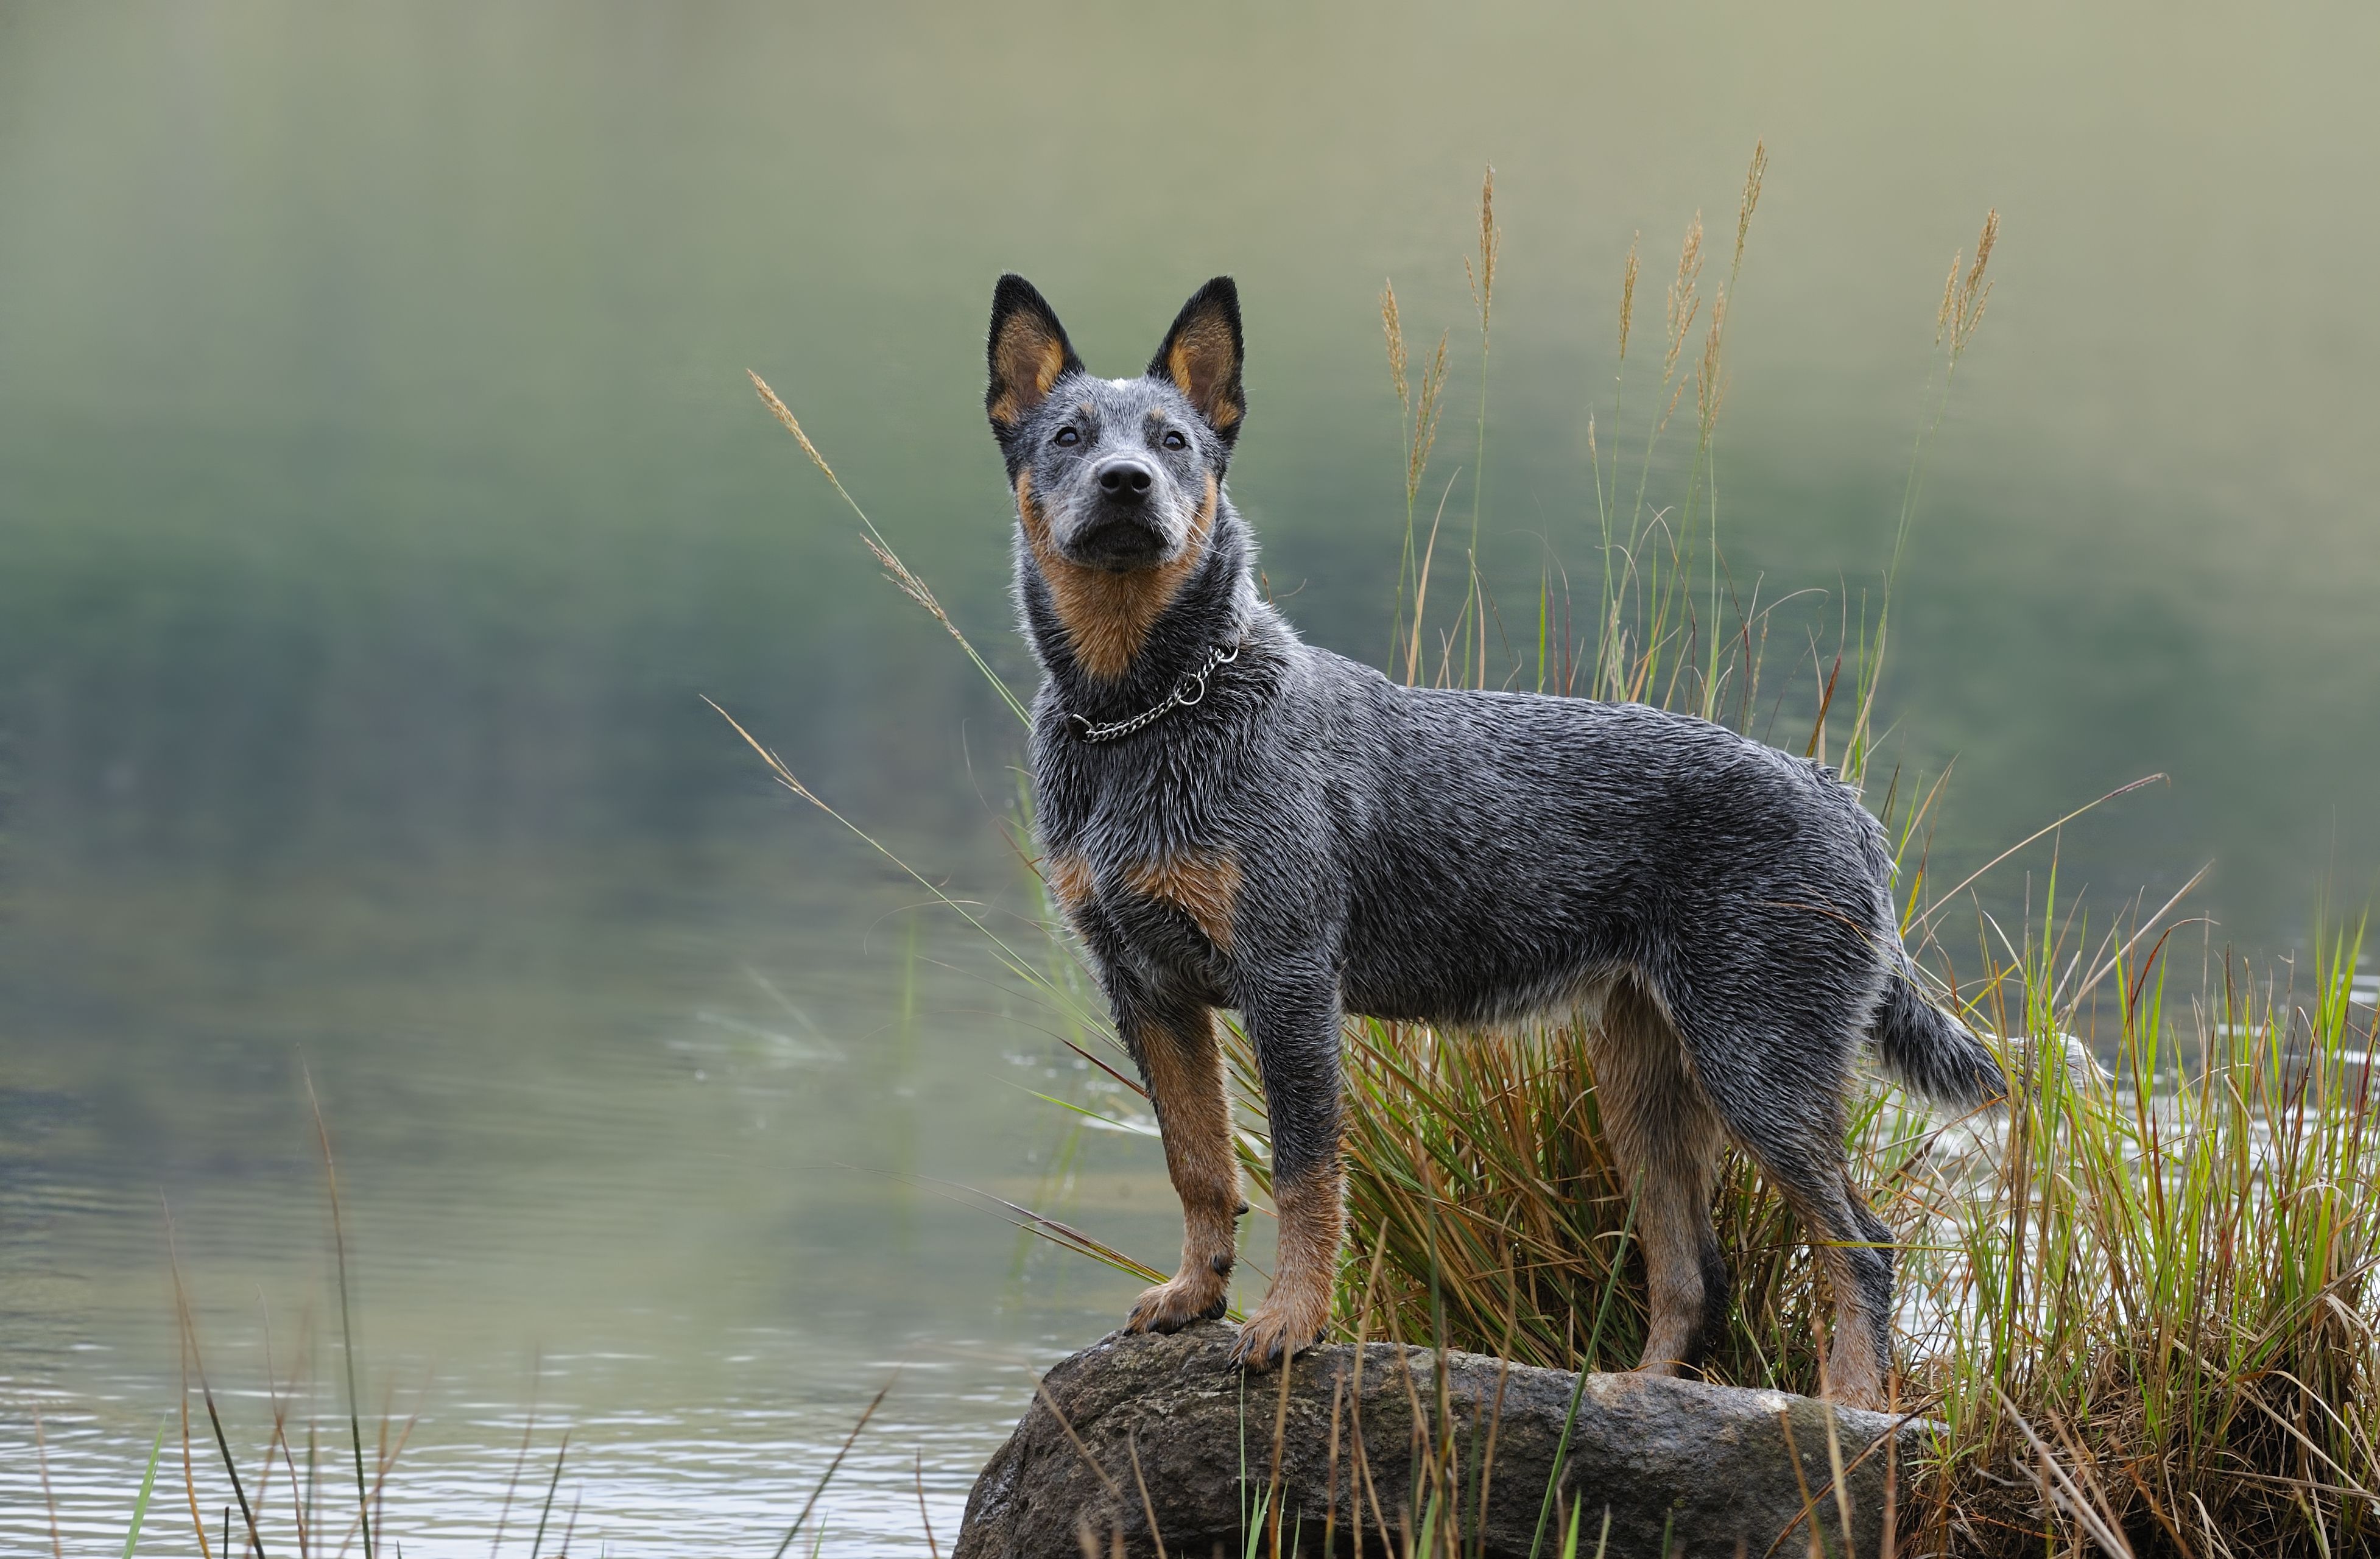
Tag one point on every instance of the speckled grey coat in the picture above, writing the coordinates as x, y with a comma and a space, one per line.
1296, 837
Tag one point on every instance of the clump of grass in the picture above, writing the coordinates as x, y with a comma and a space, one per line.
2159, 1293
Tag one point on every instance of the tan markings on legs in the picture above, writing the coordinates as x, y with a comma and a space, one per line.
1184, 1068
1296, 1310
1107, 615
1854, 1374
1667, 1140
1202, 884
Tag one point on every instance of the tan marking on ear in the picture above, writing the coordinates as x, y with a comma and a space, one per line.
1202, 884
1201, 358
1107, 616
1184, 1069
1069, 876
1200, 362
1029, 355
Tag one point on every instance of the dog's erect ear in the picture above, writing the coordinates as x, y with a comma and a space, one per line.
1029, 352
1201, 355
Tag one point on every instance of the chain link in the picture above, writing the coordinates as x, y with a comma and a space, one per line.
1187, 691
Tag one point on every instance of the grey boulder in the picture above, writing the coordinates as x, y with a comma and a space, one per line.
1135, 1428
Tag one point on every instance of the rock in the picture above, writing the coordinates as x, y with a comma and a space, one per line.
1705, 1468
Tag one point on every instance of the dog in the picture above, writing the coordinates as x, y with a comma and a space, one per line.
1229, 818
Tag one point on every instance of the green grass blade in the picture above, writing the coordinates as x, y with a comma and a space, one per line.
148, 1483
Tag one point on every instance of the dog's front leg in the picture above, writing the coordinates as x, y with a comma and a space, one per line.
1183, 1068
1295, 1028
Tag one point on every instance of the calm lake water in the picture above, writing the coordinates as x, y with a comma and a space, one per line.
380, 490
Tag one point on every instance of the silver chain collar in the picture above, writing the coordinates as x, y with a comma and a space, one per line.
1187, 691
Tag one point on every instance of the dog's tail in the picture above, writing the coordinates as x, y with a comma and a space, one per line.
1931, 1051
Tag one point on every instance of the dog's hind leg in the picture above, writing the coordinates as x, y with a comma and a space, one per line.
1183, 1068
1855, 1247
1777, 1085
1667, 1140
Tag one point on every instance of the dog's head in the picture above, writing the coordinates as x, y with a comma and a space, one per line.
1119, 475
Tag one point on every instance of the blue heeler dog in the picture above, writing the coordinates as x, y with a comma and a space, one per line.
1233, 818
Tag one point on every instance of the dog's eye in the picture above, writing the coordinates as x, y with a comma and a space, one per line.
1067, 436
1174, 439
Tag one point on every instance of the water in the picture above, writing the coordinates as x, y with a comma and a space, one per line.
380, 489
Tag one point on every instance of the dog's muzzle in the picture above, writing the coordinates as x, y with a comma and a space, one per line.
1123, 530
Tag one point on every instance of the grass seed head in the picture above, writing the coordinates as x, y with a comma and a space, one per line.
1685, 300
1491, 241
1709, 386
1753, 176
1628, 294
1425, 425
1975, 290
793, 426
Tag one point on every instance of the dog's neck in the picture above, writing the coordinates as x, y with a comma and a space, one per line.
1101, 660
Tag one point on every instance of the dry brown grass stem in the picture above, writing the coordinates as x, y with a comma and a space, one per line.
1420, 423
1685, 298
42, 1454
925, 1517
1139, 1481
832, 1467
1424, 427
793, 426
1976, 291
1421, 588
898, 571
189, 1472
1753, 176
520, 1457
1491, 242
1709, 385
1962, 300
907, 582
1628, 293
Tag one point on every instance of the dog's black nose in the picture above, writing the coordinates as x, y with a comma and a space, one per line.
1125, 480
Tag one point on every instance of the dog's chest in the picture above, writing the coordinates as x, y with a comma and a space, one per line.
1138, 851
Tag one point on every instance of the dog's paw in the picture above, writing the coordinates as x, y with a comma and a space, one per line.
1172, 1306
1869, 1399
1279, 1331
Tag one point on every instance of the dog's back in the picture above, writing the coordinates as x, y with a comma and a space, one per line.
1512, 850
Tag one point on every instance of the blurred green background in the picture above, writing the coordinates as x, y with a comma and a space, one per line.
380, 487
